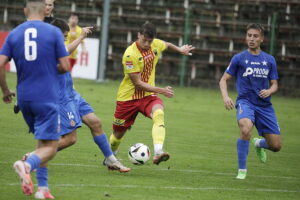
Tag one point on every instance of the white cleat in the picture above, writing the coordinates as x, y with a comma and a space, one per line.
24, 174
116, 165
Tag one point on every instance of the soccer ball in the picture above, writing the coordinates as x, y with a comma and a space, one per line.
139, 154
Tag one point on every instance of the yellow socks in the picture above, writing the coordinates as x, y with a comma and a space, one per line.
114, 143
158, 130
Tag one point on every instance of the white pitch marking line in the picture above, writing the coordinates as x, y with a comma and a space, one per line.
181, 170
177, 170
168, 187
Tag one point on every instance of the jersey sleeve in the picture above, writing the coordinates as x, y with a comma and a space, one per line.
7, 48
129, 64
61, 49
233, 66
273, 75
161, 45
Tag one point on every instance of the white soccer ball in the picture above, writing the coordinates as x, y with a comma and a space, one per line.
139, 154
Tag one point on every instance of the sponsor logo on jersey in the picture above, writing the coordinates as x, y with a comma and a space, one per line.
119, 122
129, 65
256, 72
255, 63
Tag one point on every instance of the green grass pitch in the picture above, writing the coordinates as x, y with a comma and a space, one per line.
201, 138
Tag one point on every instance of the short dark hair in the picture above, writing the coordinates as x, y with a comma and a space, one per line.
74, 14
257, 27
61, 24
148, 30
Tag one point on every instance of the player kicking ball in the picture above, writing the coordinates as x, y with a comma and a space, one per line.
256, 80
73, 110
137, 92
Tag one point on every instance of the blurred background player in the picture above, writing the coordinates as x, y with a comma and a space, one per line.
49, 8
137, 92
36, 48
73, 109
256, 80
73, 34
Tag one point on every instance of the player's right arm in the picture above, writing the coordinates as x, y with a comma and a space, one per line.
7, 94
228, 103
230, 71
141, 85
64, 65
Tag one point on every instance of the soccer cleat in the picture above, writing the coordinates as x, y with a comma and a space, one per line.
25, 156
241, 174
117, 165
164, 156
25, 178
43, 194
260, 152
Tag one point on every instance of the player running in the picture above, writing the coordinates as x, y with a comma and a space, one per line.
256, 80
36, 48
73, 110
137, 92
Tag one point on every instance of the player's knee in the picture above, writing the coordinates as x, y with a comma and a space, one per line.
72, 140
275, 147
158, 116
245, 133
95, 124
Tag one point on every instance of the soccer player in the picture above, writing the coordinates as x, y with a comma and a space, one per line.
49, 6
37, 48
138, 93
73, 110
256, 80
73, 34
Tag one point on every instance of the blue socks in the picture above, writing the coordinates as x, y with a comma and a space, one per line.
42, 176
263, 144
242, 147
34, 161
103, 144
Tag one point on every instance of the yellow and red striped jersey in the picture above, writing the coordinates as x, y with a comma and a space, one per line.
136, 60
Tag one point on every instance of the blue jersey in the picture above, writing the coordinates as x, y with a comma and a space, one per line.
253, 73
66, 91
36, 47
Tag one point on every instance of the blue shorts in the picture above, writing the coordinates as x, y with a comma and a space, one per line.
42, 118
264, 118
70, 118
83, 107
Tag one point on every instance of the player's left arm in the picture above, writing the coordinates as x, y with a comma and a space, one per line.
7, 94
273, 77
184, 50
268, 92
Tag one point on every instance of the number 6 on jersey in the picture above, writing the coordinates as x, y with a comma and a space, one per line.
30, 45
